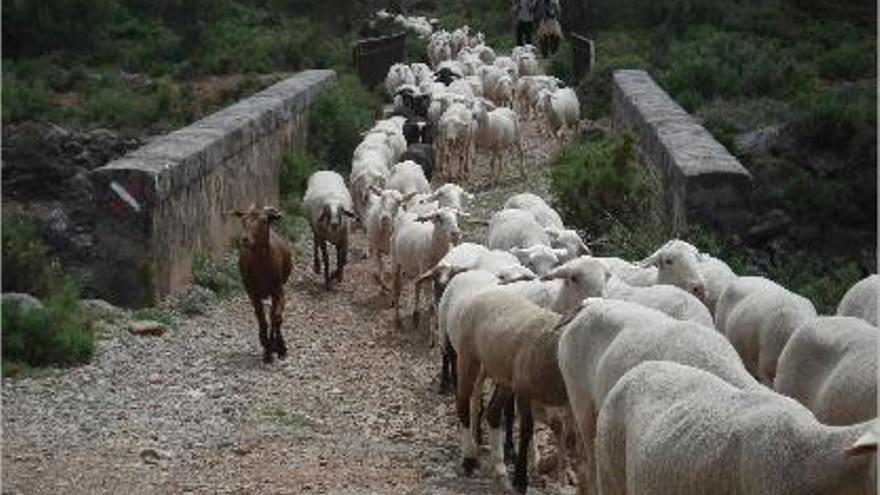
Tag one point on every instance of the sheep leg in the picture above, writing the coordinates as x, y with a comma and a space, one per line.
341, 257
416, 303
380, 272
509, 416
500, 397
326, 259
395, 295
277, 312
526, 429
468, 369
316, 262
447, 370
588, 435
477, 407
264, 328
522, 164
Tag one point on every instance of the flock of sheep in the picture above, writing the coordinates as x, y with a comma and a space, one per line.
668, 375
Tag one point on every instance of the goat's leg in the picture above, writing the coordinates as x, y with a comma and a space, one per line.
277, 312
326, 257
264, 329
526, 428
500, 397
341, 258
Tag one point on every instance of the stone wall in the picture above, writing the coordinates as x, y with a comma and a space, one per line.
163, 203
702, 181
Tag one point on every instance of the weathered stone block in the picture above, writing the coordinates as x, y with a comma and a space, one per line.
163, 203
702, 181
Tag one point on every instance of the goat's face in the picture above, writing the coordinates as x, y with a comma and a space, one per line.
256, 222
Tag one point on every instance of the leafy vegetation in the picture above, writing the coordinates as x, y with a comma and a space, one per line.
220, 275
58, 334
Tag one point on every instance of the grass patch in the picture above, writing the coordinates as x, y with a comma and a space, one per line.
297, 424
155, 314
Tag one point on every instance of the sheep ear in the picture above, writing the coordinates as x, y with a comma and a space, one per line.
653, 260
551, 232
348, 213
408, 197
555, 274
375, 190
866, 444
462, 213
430, 274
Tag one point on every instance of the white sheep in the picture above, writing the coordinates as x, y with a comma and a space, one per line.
861, 300
539, 258
417, 244
666, 428
677, 263
398, 75
830, 366
608, 337
455, 132
448, 195
563, 288
408, 178
367, 173
527, 93
422, 73
498, 131
381, 211
717, 275
512, 227
568, 240
562, 111
534, 204
667, 299
759, 317
327, 206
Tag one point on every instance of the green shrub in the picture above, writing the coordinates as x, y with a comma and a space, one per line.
614, 50
337, 118
26, 100
599, 184
838, 119
848, 61
220, 275
60, 334
416, 48
298, 166
27, 266
121, 107
560, 65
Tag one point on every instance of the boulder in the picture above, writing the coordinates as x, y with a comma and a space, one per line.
103, 310
25, 302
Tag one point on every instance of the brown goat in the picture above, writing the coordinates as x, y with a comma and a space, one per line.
264, 262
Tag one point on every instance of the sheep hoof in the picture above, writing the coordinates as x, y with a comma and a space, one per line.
469, 464
282, 351
267, 356
520, 482
337, 275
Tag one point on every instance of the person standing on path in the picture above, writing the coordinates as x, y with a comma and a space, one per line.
525, 14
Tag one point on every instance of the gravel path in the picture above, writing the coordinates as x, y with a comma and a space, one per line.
353, 409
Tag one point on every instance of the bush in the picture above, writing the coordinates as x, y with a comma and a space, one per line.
842, 119
27, 266
337, 118
60, 334
219, 275
121, 107
155, 314
599, 184
849, 61
25, 100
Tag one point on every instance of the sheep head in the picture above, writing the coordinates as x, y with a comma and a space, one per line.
445, 223
539, 257
569, 240
677, 264
586, 275
334, 214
